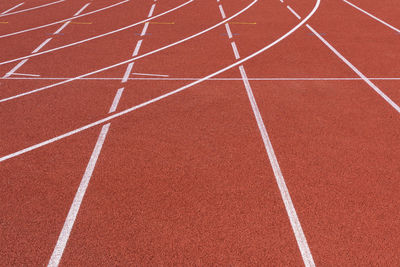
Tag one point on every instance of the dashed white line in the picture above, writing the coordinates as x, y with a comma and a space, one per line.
146, 25
147, 74
359, 73
14, 7
372, 16
116, 100
62, 27
235, 50
151, 11
137, 48
8, 74
293, 12
32, 8
127, 72
41, 45
228, 30
221, 9
81, 10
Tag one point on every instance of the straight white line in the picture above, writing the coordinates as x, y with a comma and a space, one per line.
127, 72
80, 10
14, 7
116, 100
148, 74
222, 11
62, 27
146, 25
19, 65
281, 1
294, 12
291, 211
61, 21
372, 85
73, 211
32, 8
41, 46
235, 50
25, 74
372, 16
228, 30
151, 11
137, 48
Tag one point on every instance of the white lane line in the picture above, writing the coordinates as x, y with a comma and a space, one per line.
281, 1
372, 16
287, 200
25, 74
64, 20
98, 36
32, 8
161, 97
127, 72
115, 103
293, 12
74, 209
235, 50
137, 48
62, 27
359, 73
151, 11
41, 45
146, 25
148, 74
228, 30
8, 74
81, 10
156, 51
14, 7
221, 9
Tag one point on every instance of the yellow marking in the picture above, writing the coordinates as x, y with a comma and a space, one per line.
162, 22
73, 22
3, 22
247, 23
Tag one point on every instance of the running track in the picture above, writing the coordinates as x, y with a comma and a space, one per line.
241, 133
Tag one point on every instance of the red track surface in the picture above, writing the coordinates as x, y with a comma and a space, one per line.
187, 179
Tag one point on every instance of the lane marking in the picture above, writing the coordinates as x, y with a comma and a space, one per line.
372, 16
97, 36
127, 72
235, 50
146, 25
32, 8
84, 23
293, 12
161, 97
162, 23
80, 193
62, 27
222, 11
115, 103
25, 74
14, 7
41, 45
64, 20
359, 73
147, 54
81, 10
151, 10
3, 22
8, 74
228, 30
148, 74
137, 48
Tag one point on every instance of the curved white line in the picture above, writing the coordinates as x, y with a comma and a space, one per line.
32, 8
126, 111
97, 36
129, 60
61, 21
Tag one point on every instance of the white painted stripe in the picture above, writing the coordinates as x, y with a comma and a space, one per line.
146, 25
74, 209
294, 12
365, 79
228, 30
235, 50
41, 46
281, 1
127, 72
62, 27
116, 100
151, 11
19, 65
137, 48
159, 50
221, 9
291, 211
98, 36
61, 21
14, 7
32, 8
372, 16
25, 74
80, 10
149, 74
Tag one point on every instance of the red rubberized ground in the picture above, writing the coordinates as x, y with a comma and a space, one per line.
188, 177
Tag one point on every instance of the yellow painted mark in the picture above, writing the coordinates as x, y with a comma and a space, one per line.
162, 22
86, 23
3, 22
246, 23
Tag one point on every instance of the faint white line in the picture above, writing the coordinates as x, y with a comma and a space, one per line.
62, 27
137, 48
294, 12
80, 10
116, 100
148, 74
235, 50
372, 16
127, 72
25, 74
373, 86
40, 46
14, 7
15, 68
146, 25
73, 211
32, 8
222, 12
228, 30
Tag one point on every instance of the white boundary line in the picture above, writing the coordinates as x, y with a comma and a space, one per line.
293, 12
97, 36
14, 7
131, 109
372, 16
64, 20
32, 8
132, 59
